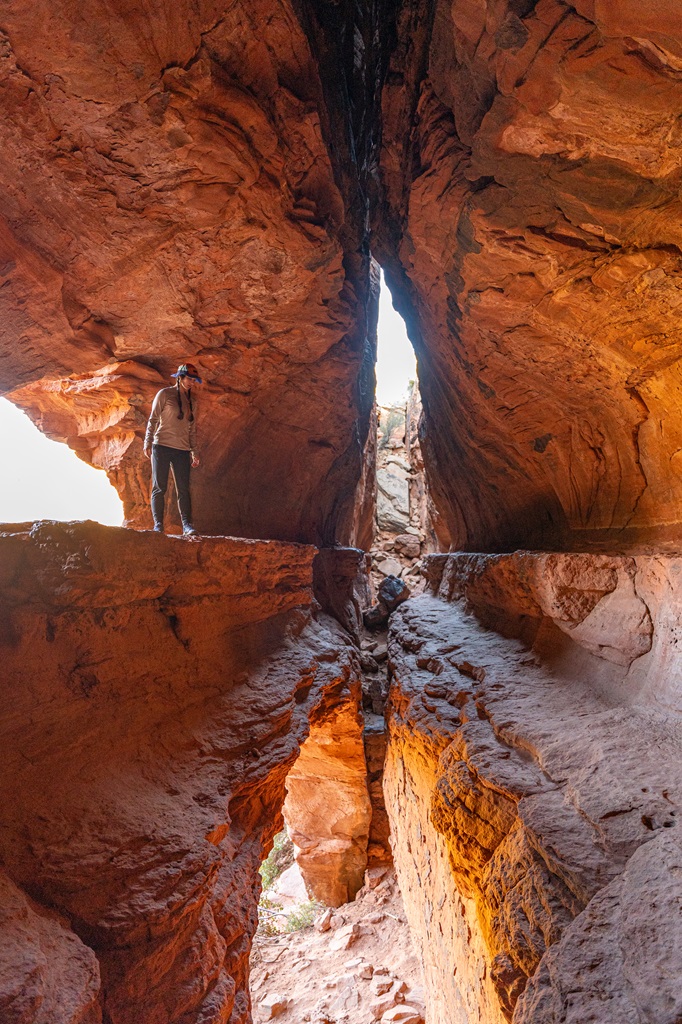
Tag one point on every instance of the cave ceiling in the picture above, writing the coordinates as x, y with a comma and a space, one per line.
207, 181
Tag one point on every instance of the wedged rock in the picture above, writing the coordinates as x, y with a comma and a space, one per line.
408, 545
393, 592
376, 617
543, 775
157, 694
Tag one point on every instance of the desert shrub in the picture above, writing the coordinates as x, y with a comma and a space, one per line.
271, 916
281, 857
303, 916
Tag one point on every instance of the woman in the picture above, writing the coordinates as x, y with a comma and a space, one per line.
171, 441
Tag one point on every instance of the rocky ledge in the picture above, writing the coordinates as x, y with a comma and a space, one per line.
155, 694
533, 783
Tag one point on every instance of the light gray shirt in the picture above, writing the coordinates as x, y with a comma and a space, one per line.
165, 428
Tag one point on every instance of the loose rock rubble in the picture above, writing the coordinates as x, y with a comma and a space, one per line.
404, 527
355, 966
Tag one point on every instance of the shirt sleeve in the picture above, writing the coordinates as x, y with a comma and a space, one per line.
154, 417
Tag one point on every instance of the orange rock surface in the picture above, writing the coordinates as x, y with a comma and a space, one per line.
327, 808
168, 195
156, 694
534, 749
529, 221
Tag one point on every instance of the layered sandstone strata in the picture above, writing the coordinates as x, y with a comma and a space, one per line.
156, 694
170, 193
534, 787
529, 221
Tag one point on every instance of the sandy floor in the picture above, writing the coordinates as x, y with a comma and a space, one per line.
362, 969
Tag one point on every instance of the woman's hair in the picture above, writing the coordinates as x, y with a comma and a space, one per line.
178, 392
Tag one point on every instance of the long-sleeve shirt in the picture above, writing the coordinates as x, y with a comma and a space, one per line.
165, 428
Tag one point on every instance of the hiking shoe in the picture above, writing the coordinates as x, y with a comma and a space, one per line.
158, 527
188, 530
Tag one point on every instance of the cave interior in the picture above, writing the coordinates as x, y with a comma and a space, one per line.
219, 183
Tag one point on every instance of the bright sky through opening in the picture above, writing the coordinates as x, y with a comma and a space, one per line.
43, 479
396, 363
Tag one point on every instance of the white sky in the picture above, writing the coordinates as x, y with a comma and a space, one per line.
43, 479
396, 364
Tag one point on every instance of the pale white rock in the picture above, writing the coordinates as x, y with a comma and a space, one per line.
274, 1005
355, 962
345, 937
324, 922
348, 997
290, 884
402, 1015
389, 567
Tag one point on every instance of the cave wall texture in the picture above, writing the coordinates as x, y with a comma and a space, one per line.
156, 694
534, 787
201, 181
168, 194
210, 181
528, 215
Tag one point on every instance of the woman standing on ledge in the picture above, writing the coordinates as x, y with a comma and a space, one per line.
171, 441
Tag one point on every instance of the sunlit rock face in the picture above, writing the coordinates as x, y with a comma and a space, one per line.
327, 808
529, 218
156, 695
534, 788
167, 195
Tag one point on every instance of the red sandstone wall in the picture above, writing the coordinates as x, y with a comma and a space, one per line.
534, 788
155, 694
168, 194
529, 219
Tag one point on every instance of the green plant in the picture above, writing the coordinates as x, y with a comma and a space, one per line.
269, 911
281, 856
303, 916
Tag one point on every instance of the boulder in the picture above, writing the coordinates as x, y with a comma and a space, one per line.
274, 1006
402, 1015
408, 545
393, 592
376, 617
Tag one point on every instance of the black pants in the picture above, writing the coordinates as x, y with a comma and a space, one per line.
162, 460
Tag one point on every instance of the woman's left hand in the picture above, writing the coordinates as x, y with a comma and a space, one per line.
195, 461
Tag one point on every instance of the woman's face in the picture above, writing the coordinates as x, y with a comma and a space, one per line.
187, 383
